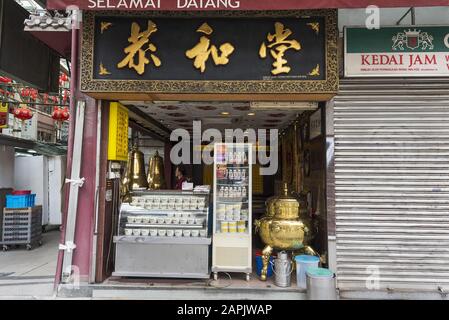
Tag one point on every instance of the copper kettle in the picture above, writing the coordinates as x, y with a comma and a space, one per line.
156, 178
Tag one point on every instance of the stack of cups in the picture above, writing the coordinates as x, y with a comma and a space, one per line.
232, 226
241, 226
224, 227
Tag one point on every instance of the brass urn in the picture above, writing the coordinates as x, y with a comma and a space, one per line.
134, 178
155, 178
282, 228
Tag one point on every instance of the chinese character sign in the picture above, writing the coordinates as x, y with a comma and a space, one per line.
278, 43
140, 44
209, 49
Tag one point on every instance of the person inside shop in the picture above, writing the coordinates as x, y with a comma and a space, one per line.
180, 174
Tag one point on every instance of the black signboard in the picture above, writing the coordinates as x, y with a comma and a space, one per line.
145, 53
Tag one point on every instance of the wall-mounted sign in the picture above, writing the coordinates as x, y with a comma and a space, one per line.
399, 51
165, 53
4, 115
118, 132
315, 124
232, 4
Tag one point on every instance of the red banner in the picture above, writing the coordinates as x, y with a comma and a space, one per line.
195, 5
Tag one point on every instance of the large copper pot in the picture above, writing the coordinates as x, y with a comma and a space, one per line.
134, 178
156, 177
282, 228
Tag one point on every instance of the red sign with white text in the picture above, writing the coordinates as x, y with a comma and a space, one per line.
193, 5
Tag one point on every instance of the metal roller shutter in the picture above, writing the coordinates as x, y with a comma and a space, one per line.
392, 184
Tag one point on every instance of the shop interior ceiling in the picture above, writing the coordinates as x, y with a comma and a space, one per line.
217, 115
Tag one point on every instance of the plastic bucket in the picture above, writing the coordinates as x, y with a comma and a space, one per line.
321, 284
21, 192
259, 266
303, 263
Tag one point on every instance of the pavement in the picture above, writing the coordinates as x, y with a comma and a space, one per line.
29, 274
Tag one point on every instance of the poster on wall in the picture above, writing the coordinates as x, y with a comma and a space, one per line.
399, 51
315, 124
4, 115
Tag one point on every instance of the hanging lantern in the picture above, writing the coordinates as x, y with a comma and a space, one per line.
25, 92
56, 114
65, 114
23, 113
60, 115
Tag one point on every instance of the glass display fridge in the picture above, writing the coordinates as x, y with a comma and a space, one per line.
232, 192
164, 234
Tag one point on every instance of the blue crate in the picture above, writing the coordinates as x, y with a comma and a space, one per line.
20, 201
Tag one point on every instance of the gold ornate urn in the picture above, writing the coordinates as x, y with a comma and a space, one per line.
134, 177
155, 178
282, 228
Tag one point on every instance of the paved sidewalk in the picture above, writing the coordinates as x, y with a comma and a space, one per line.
29, 274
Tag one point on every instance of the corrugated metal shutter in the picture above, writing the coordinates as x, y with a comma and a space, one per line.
392, 184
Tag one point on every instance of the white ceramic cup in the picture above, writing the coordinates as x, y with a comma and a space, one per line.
175, 221
183, 221
199, 221
145, 232
168, 220
136, 232
170, 233
178, 233
128, 232
195, 233
145, 219
153, 232
160, 220
191, 220
186, 233
152, 220
130, 219
203, 233
161, 232
138, 219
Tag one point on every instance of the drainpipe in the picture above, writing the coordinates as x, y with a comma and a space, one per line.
73, 92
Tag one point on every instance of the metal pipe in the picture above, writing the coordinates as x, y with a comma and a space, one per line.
402, 18
73, 91
413, 15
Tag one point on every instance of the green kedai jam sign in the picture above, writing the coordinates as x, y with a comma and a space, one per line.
399, 51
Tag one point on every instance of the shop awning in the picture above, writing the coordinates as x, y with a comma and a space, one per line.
194, 5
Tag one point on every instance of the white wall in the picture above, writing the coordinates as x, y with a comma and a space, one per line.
389, 16
6, 167
31, 173
56, 172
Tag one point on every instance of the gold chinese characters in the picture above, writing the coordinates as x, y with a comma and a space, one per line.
278, 45
138, 40
203, 50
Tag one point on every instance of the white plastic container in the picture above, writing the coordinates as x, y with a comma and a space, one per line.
303, 262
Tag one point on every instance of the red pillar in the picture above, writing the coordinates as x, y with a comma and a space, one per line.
86, 196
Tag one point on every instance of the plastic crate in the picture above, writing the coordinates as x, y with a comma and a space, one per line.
20, 201
21, 226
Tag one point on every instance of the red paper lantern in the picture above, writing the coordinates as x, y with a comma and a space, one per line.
23, 113
65, 114
59, 114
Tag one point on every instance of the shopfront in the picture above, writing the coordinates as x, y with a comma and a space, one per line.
390, 164
196, 72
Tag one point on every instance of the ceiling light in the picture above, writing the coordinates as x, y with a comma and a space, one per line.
293, 105
224, 113
252, 114
32, 151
